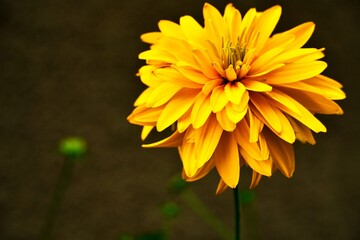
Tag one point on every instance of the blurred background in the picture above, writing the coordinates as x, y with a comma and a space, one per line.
67, 68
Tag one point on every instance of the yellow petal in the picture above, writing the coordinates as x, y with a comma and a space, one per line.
145, 116
221, 187
263, 167
304, 116
284, 99
227, 160
174, 140
266, 111
146, 131
243, 105
282, 154
264, 26
234, 92
201, 110
256, 86
187, 154
295, 72
264, 59
256, 151
184, 121
233, 19
218, 99
230, 73
162, 56
192, 29
214, 24
265, 70
234, 115
248, 58
302, 34
192, 74
224, 121
219, 69
255, 179
176, 107
179, 48
143, 97
204, 63
279, 40
287, 132
151, 37
172, 76
208, 137
170, 29
147, 76
256, 126
201, 172
302, 132
247, 24
162, 94
315, 103
210, 85
324, 80
320, 85
299, 55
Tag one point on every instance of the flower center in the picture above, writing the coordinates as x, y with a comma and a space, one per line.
234, 62
232, 55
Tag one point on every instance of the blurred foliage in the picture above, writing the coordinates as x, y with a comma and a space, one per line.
170, 210
247, 196
146, 236
178, 190
177, 184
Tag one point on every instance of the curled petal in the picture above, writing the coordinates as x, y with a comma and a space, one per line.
201, 172
222, 186
255, 179
263, 167
174, 140
282, 154
224, 121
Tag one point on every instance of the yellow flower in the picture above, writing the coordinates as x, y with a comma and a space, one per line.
235, 95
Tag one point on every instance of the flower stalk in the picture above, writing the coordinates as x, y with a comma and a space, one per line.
237, 214
72, 149
57, 198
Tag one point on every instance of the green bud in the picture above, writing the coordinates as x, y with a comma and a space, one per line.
73, 148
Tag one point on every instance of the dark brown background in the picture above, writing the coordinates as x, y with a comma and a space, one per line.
68, 68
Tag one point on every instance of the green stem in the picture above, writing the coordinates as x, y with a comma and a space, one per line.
237, 210
167, 226
192, 200
57, 197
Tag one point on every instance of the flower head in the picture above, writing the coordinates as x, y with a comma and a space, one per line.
236, 94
